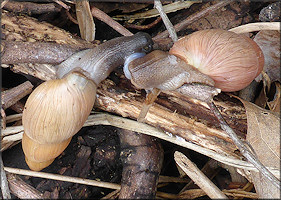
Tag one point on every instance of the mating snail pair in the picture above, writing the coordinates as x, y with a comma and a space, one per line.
57, 109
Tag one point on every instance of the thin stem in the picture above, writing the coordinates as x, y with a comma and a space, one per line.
99, 14
63, 178
4, 182
243, 148
167, 22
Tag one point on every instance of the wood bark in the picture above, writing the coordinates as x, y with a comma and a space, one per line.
142, 157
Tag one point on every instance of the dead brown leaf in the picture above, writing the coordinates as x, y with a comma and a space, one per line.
269, 42
274, 105
264, 136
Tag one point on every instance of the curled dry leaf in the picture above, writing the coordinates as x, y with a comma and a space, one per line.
264, 136
269, 42
274, 105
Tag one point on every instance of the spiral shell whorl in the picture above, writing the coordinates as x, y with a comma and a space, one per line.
230, 59
57, 109
53, 113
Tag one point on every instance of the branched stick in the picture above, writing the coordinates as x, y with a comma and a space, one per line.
243, 148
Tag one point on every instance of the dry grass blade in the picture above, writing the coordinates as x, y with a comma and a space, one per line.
246, 28
4, 183
198, 177
62, 178
172, 7
168, 24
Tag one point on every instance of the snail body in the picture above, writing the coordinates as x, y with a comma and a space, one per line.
57, 109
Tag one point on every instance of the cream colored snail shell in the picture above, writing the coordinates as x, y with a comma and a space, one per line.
53, 113
232, 60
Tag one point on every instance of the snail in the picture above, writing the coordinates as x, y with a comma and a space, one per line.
214, 57
57, 109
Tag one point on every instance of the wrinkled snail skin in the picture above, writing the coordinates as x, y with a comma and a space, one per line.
57, 109
99, 62
163, 71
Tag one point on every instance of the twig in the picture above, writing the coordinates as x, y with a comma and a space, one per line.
143, 27
198, 177
192, 18
246, 28
15, 52
4, 183
167, 22
3, 119
17, 107
71, 18
210, 169
3, 3
63, 178
30, 7
242, 148
13, 118
21, 189
112, 195
109, 21
11, 96
62, 4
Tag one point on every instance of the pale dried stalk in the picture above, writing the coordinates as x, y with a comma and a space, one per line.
62, 178
120, 122
246, 28
198, 177
99, 14
13, 118
11, 96
3, 3
4, 183
167, 22
171, 7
